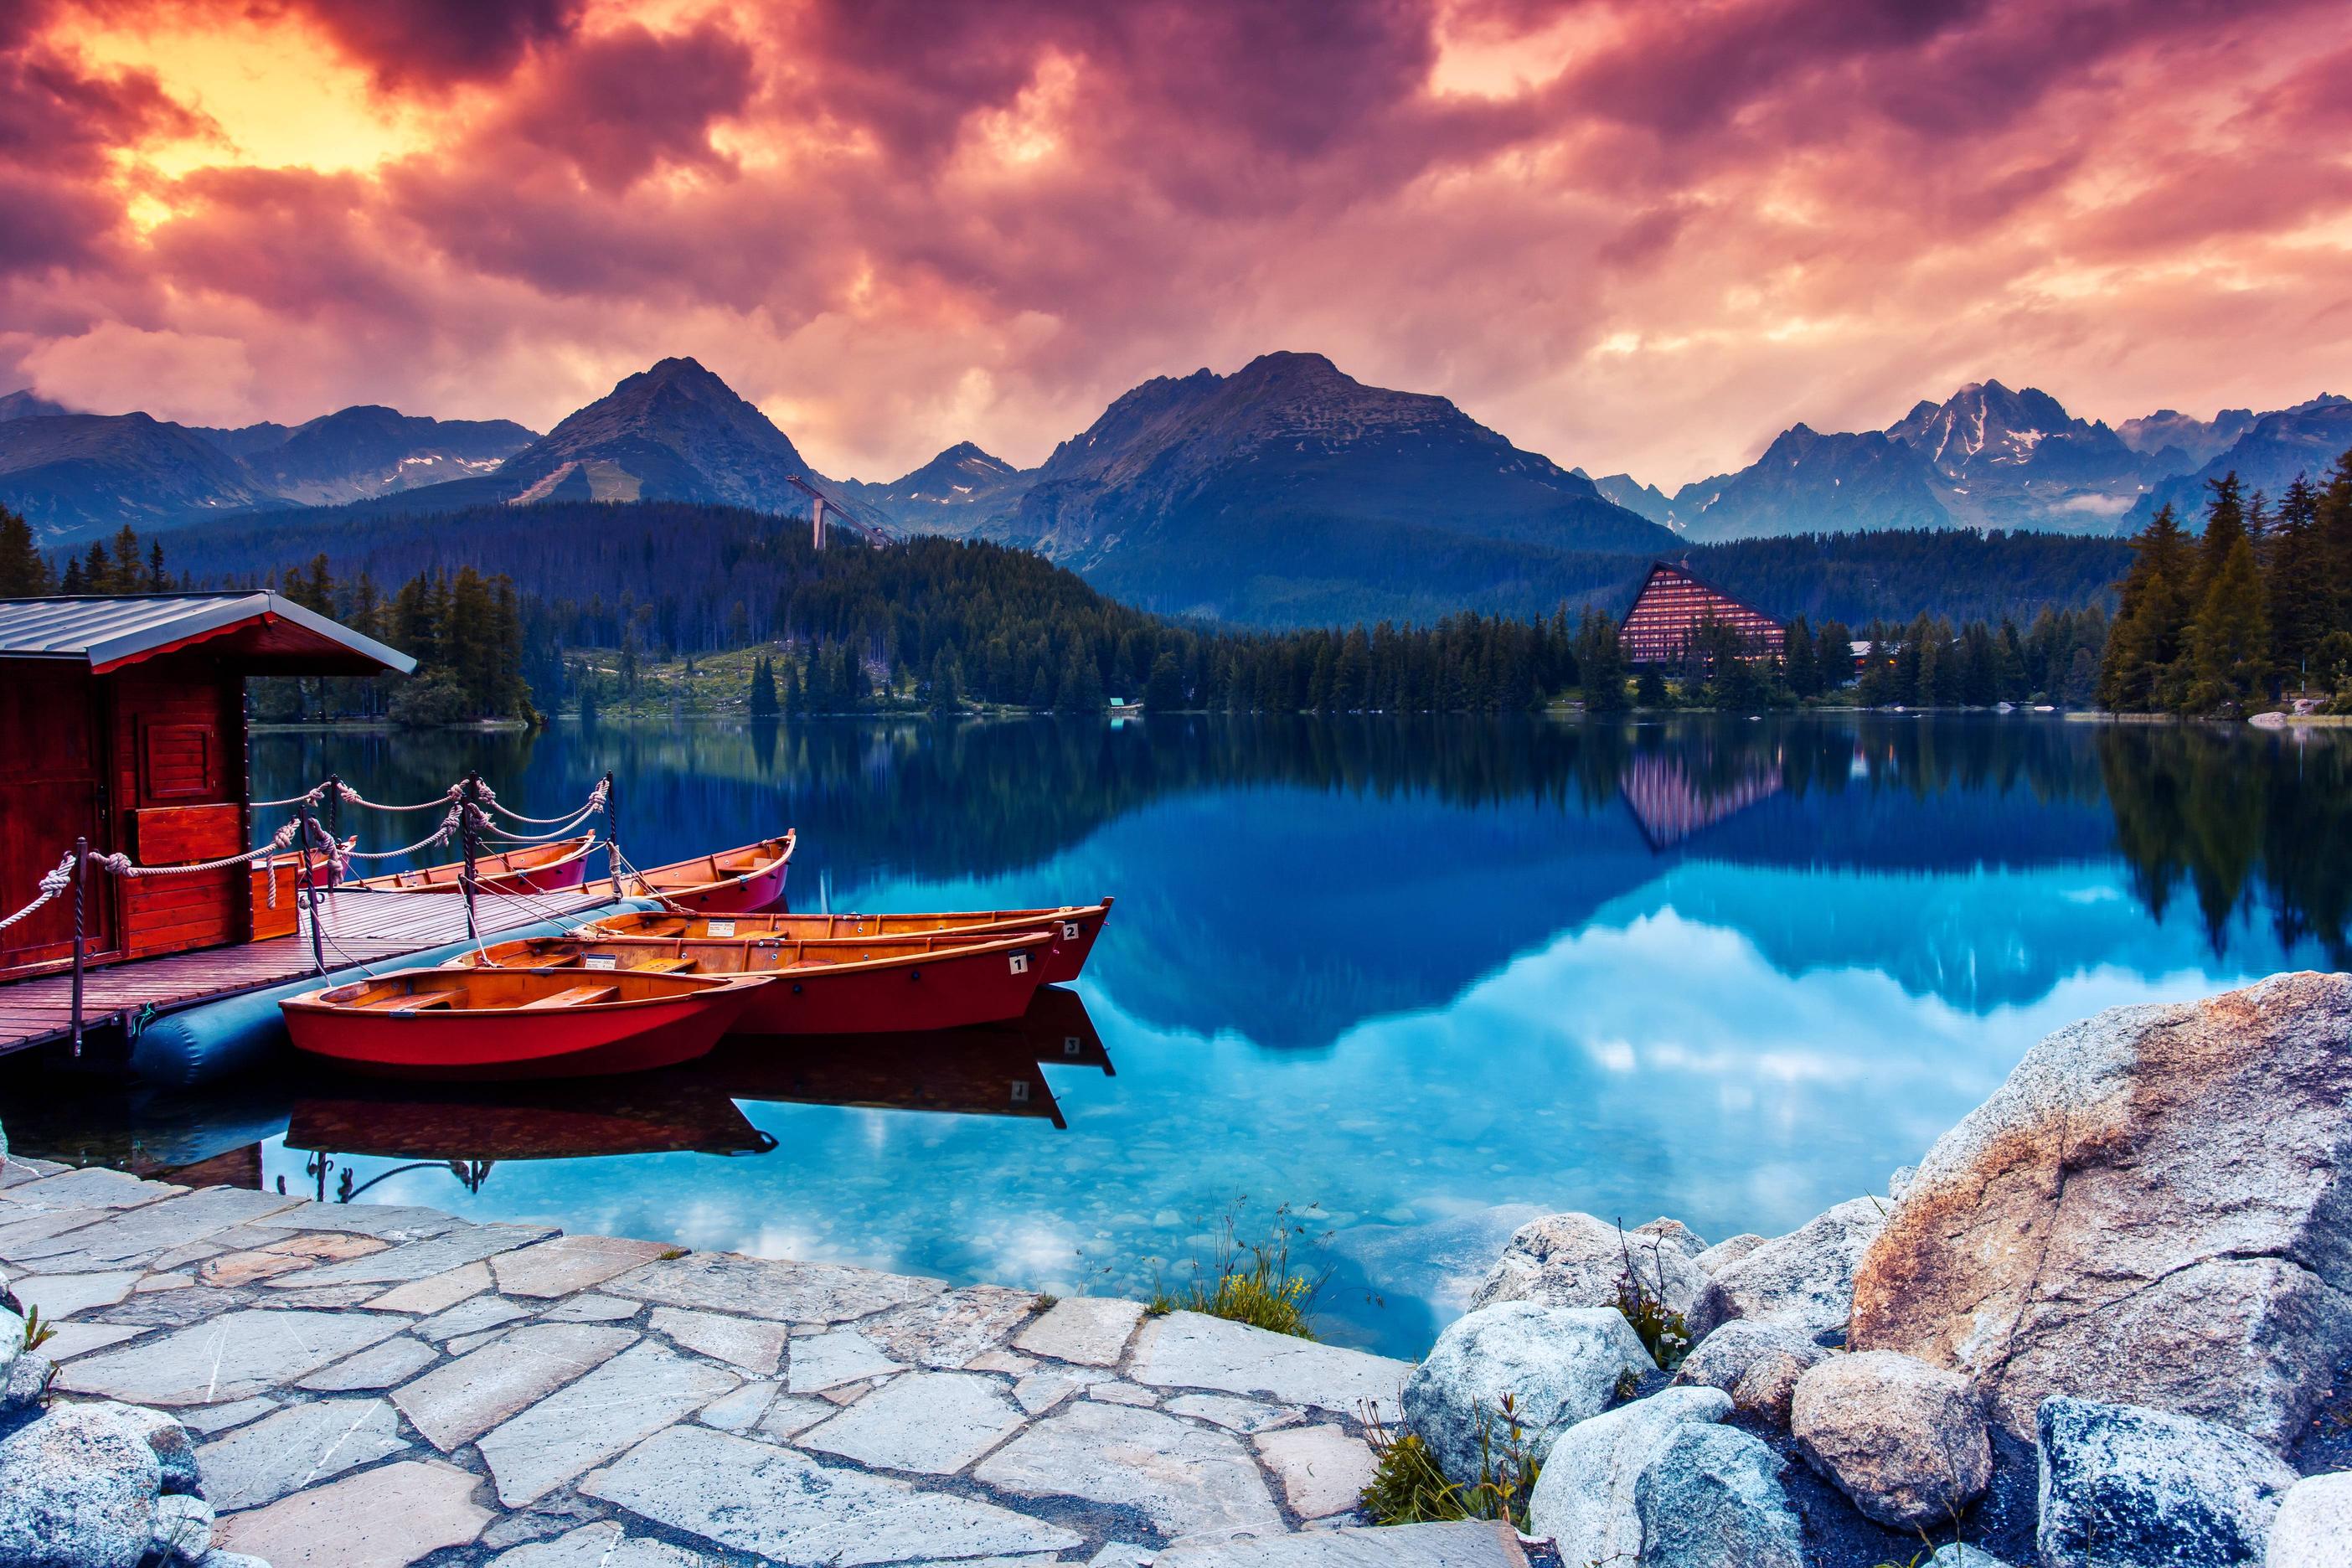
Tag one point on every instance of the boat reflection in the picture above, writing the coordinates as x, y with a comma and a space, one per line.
990, 1071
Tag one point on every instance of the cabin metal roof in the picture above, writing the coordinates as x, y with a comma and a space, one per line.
265, 633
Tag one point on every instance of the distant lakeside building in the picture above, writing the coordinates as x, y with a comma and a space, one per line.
1671, 606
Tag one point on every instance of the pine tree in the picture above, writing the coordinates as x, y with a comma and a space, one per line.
126, 576
2152, 615
1600, 663
1803, 666
158, 580
762, 701
2231, 635
23, 572
97, 575
2301, 606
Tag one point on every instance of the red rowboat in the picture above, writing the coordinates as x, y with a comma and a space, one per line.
890, 986
541, 868
1071, 929
514, 1023
732, 881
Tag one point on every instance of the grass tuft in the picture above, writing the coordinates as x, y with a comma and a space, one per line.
1409, 1488
1253, 1282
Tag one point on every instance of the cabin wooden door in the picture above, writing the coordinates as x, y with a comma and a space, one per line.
52, 790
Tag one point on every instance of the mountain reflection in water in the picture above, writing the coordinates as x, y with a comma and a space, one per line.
1433, 976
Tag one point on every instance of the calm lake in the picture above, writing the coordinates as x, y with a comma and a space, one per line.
1417, 980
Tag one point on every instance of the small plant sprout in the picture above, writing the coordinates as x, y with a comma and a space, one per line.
1662, 1330
37, 1331
1409, 1488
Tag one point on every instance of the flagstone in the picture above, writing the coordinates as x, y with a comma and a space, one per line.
60, 1296
778, 1504
436, 1292
935, 1423
599, 1545
421, 1259
1321, 1470
137, 1234
465, 1342
1190, 1350
948, 1330
741, 1410
593, 1308
18, 1168
319, 1296
470, 1317
251, 1268
390, 1222
761, 1287
459, 1400
1244, 1415
1467, 1544
303, 1444
791, 1414
154, 1282
1041, 1391
570, 1263
174, 1309
206, 1420
79, 1338
820, 1361
396, 1360
91, 1187
630, 1397
234, 1357
1001, 1360
18, 1235
755, 1347
1091, 1331
386, 1518
1183, 1478
1111, 1391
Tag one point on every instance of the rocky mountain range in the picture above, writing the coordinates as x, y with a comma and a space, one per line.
1282, 493
76, 476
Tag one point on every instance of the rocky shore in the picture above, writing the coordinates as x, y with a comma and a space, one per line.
2107, 1319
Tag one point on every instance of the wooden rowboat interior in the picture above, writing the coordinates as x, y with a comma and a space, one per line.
447, 877
707, 870
825, 928
507, 990
719, 956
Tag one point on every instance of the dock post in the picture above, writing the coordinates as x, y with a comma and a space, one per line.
81, 875
311, 888
612, 835
468, 791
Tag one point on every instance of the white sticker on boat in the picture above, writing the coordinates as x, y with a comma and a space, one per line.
1020, 1093
600, 960
1070, 931
1020, 964
1069, 1045
723, 928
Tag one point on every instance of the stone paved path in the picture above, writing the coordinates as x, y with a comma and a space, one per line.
386, 1386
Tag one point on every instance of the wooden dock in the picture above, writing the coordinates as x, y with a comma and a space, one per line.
358, 927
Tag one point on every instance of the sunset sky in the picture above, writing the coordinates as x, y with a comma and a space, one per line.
1630, 236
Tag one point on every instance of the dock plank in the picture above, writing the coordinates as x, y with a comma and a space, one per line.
358, 928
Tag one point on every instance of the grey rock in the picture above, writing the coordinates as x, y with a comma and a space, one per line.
779, 1505
1575, 1260
1712, 1498
231, 1358
1462, 1545
2136, 1488
1958, 1554
950, 1331
257, 1465
1802, 1281
174, 1449
2314, 1528
1674, 1232
1585, 1496
29, 1377
1558, 1364
630, 1397
1900, 1183
77, 1489
933, 1423
1088, 1329
1758, 1363
1184, 1479
1190, 1350
183, 1528
2152, 1210
1905, 1441
757, 1287
216, 1558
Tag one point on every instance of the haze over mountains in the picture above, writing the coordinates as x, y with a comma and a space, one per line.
1287, 492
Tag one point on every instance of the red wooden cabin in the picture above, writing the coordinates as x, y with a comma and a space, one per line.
122, 721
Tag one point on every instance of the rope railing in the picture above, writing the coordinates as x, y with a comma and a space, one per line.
595, 803
52, 883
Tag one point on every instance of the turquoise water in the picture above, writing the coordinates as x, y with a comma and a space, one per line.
1415, 980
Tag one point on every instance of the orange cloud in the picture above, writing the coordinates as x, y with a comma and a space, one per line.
1638, 237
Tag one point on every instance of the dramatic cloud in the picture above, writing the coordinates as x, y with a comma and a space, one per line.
1632, 235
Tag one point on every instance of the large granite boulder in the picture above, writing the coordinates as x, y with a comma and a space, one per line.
1803, 1281
1757, 1363
2152, 1210
1729, 1251
1905, 1441
77, 1489
1558, 1364
1585, 1496
2314, 1528
1712, 1498
1575, 1260
2127, 1487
